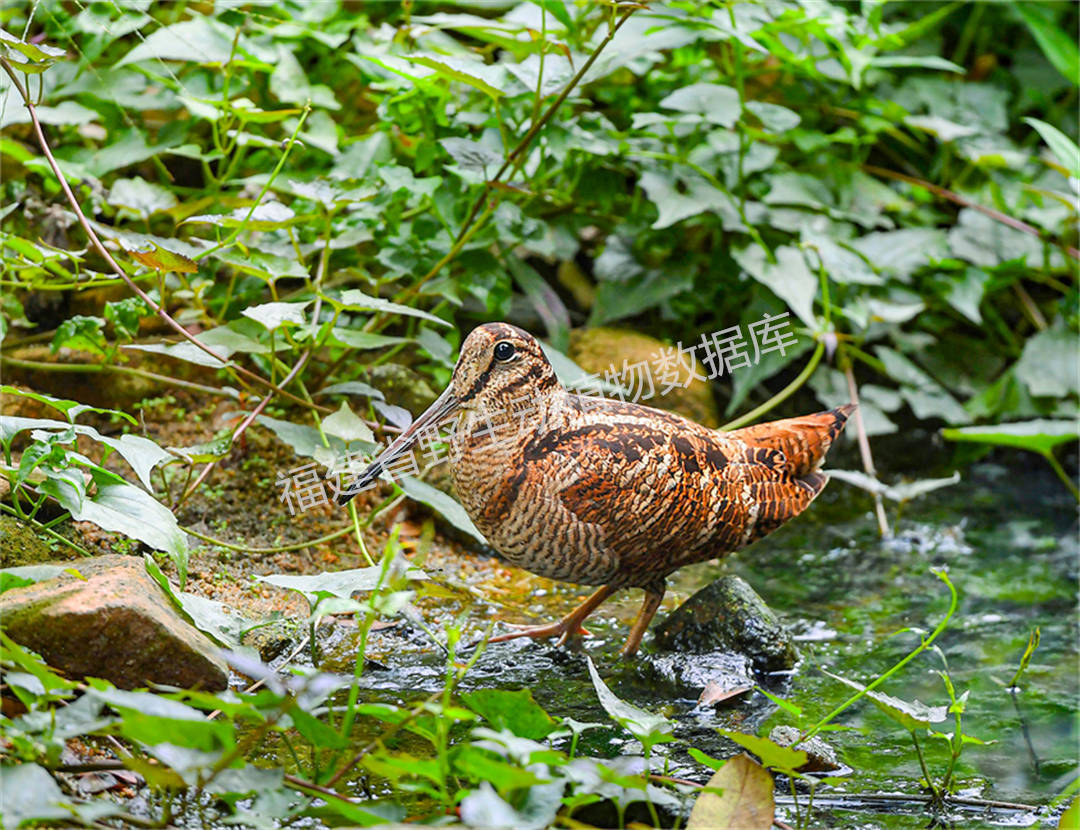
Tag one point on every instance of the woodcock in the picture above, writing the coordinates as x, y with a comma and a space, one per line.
602, 492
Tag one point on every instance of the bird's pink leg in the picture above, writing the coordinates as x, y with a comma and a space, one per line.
654, 594
565, 628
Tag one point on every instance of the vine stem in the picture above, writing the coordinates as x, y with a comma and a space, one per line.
96, 242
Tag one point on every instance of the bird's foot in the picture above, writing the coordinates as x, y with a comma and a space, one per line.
539, 632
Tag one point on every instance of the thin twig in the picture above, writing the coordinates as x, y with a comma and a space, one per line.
996, 215
864, 450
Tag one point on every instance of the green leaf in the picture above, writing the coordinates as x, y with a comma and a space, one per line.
492, 80
910, 715
355, 299
646, 727
1058, 45
28, 57
515, 711
80, 332
788, 278
125, 316
275, 315
341, 584
718, 104
680, 197
39, 796
200, 39
346, 426
316, 732
1050, 362
139, 198
352, 387
267, 216
1061, 145
897, 492
772, 755
442, 504
745, 802
124, 508
162, 259
213, 618
1039, 436
71, 409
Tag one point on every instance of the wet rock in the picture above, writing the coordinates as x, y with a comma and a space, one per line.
598, 349
271, 641
19, 545
728, 615
820, 756
111, 620
692, 674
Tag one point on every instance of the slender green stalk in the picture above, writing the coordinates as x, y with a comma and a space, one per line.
954, 600
1049, 456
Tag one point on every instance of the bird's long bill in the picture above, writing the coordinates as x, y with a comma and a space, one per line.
445, 406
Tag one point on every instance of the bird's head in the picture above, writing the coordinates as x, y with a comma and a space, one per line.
499, 364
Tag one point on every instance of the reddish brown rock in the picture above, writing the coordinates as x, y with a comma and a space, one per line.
114, 622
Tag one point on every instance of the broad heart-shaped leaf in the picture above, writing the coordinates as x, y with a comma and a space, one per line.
472, 155
911, 716
516, 711
124, 508
646, 727
442, 504
718, 104
771, 754
275, 315
139, 197
141, 453
1050, 363
745, 804
1068, 154
788, 278
346, 426
1039, 436
356, 299
199, 39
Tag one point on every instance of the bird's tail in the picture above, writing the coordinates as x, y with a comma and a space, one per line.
804, 441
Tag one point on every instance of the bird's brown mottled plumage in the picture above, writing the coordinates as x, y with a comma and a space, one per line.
603, 492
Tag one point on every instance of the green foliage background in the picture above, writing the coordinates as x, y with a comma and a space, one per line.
715, 162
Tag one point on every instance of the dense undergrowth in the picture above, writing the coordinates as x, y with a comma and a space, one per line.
291, 195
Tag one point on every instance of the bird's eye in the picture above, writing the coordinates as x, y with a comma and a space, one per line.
504, 350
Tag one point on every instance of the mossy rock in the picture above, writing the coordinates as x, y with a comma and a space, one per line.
19, 545
597, 350
727, 615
